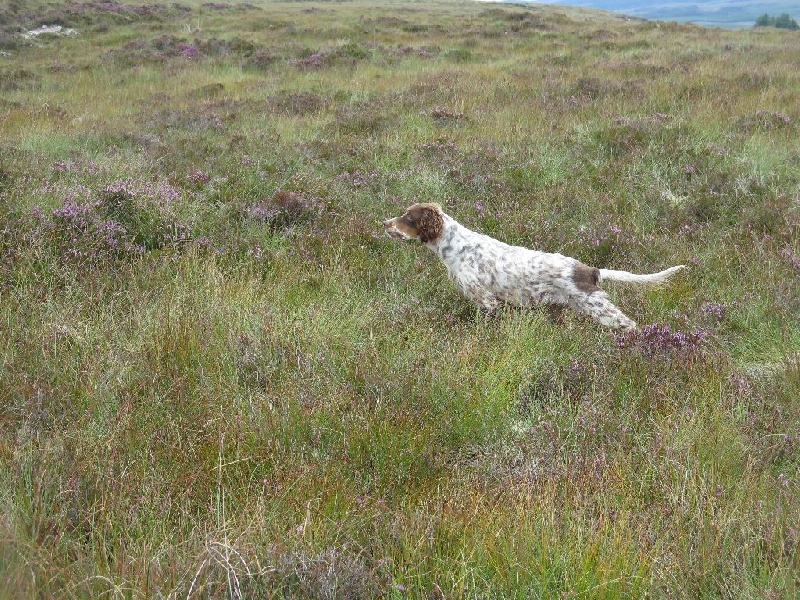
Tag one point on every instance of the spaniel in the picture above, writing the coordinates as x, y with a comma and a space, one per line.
492, 273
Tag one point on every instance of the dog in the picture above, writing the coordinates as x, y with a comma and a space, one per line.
492, 273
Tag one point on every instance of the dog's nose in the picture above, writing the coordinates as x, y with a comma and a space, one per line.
387, 223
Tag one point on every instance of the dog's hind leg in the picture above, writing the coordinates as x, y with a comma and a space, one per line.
599, 307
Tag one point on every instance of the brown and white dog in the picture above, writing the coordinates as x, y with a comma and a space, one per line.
492, 273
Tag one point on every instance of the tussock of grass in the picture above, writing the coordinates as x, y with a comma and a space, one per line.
219, 378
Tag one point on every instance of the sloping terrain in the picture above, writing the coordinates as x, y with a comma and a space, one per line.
710, 13
221, 379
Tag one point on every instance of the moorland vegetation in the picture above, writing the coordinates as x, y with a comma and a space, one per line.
220, 379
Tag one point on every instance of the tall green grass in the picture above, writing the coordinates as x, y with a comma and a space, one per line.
219, 378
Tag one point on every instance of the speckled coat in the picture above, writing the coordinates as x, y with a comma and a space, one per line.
493, 273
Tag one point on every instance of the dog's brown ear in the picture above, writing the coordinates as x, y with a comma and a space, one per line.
431, 223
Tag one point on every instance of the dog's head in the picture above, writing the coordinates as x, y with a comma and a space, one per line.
421, 222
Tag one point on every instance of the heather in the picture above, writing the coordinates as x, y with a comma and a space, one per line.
221, 379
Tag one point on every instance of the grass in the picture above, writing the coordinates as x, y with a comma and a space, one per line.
219, 378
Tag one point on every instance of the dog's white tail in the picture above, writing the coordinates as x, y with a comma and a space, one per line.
625, 276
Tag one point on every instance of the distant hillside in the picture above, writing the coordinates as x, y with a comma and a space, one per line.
713, 13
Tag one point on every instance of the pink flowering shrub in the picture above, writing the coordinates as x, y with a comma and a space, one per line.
283, 210
126, 217
660, 341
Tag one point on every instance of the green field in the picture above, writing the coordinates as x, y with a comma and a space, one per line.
221, 379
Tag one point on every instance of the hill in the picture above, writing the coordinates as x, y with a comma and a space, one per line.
711, 13
221, 379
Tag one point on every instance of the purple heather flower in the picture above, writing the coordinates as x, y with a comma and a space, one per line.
791, 257
162, 192
659, 339
575, 366
203, 242
187, 50
198, 177
773, 117
718, 309
356, 178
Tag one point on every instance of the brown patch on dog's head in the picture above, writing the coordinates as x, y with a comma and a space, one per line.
586, 278
421, 222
